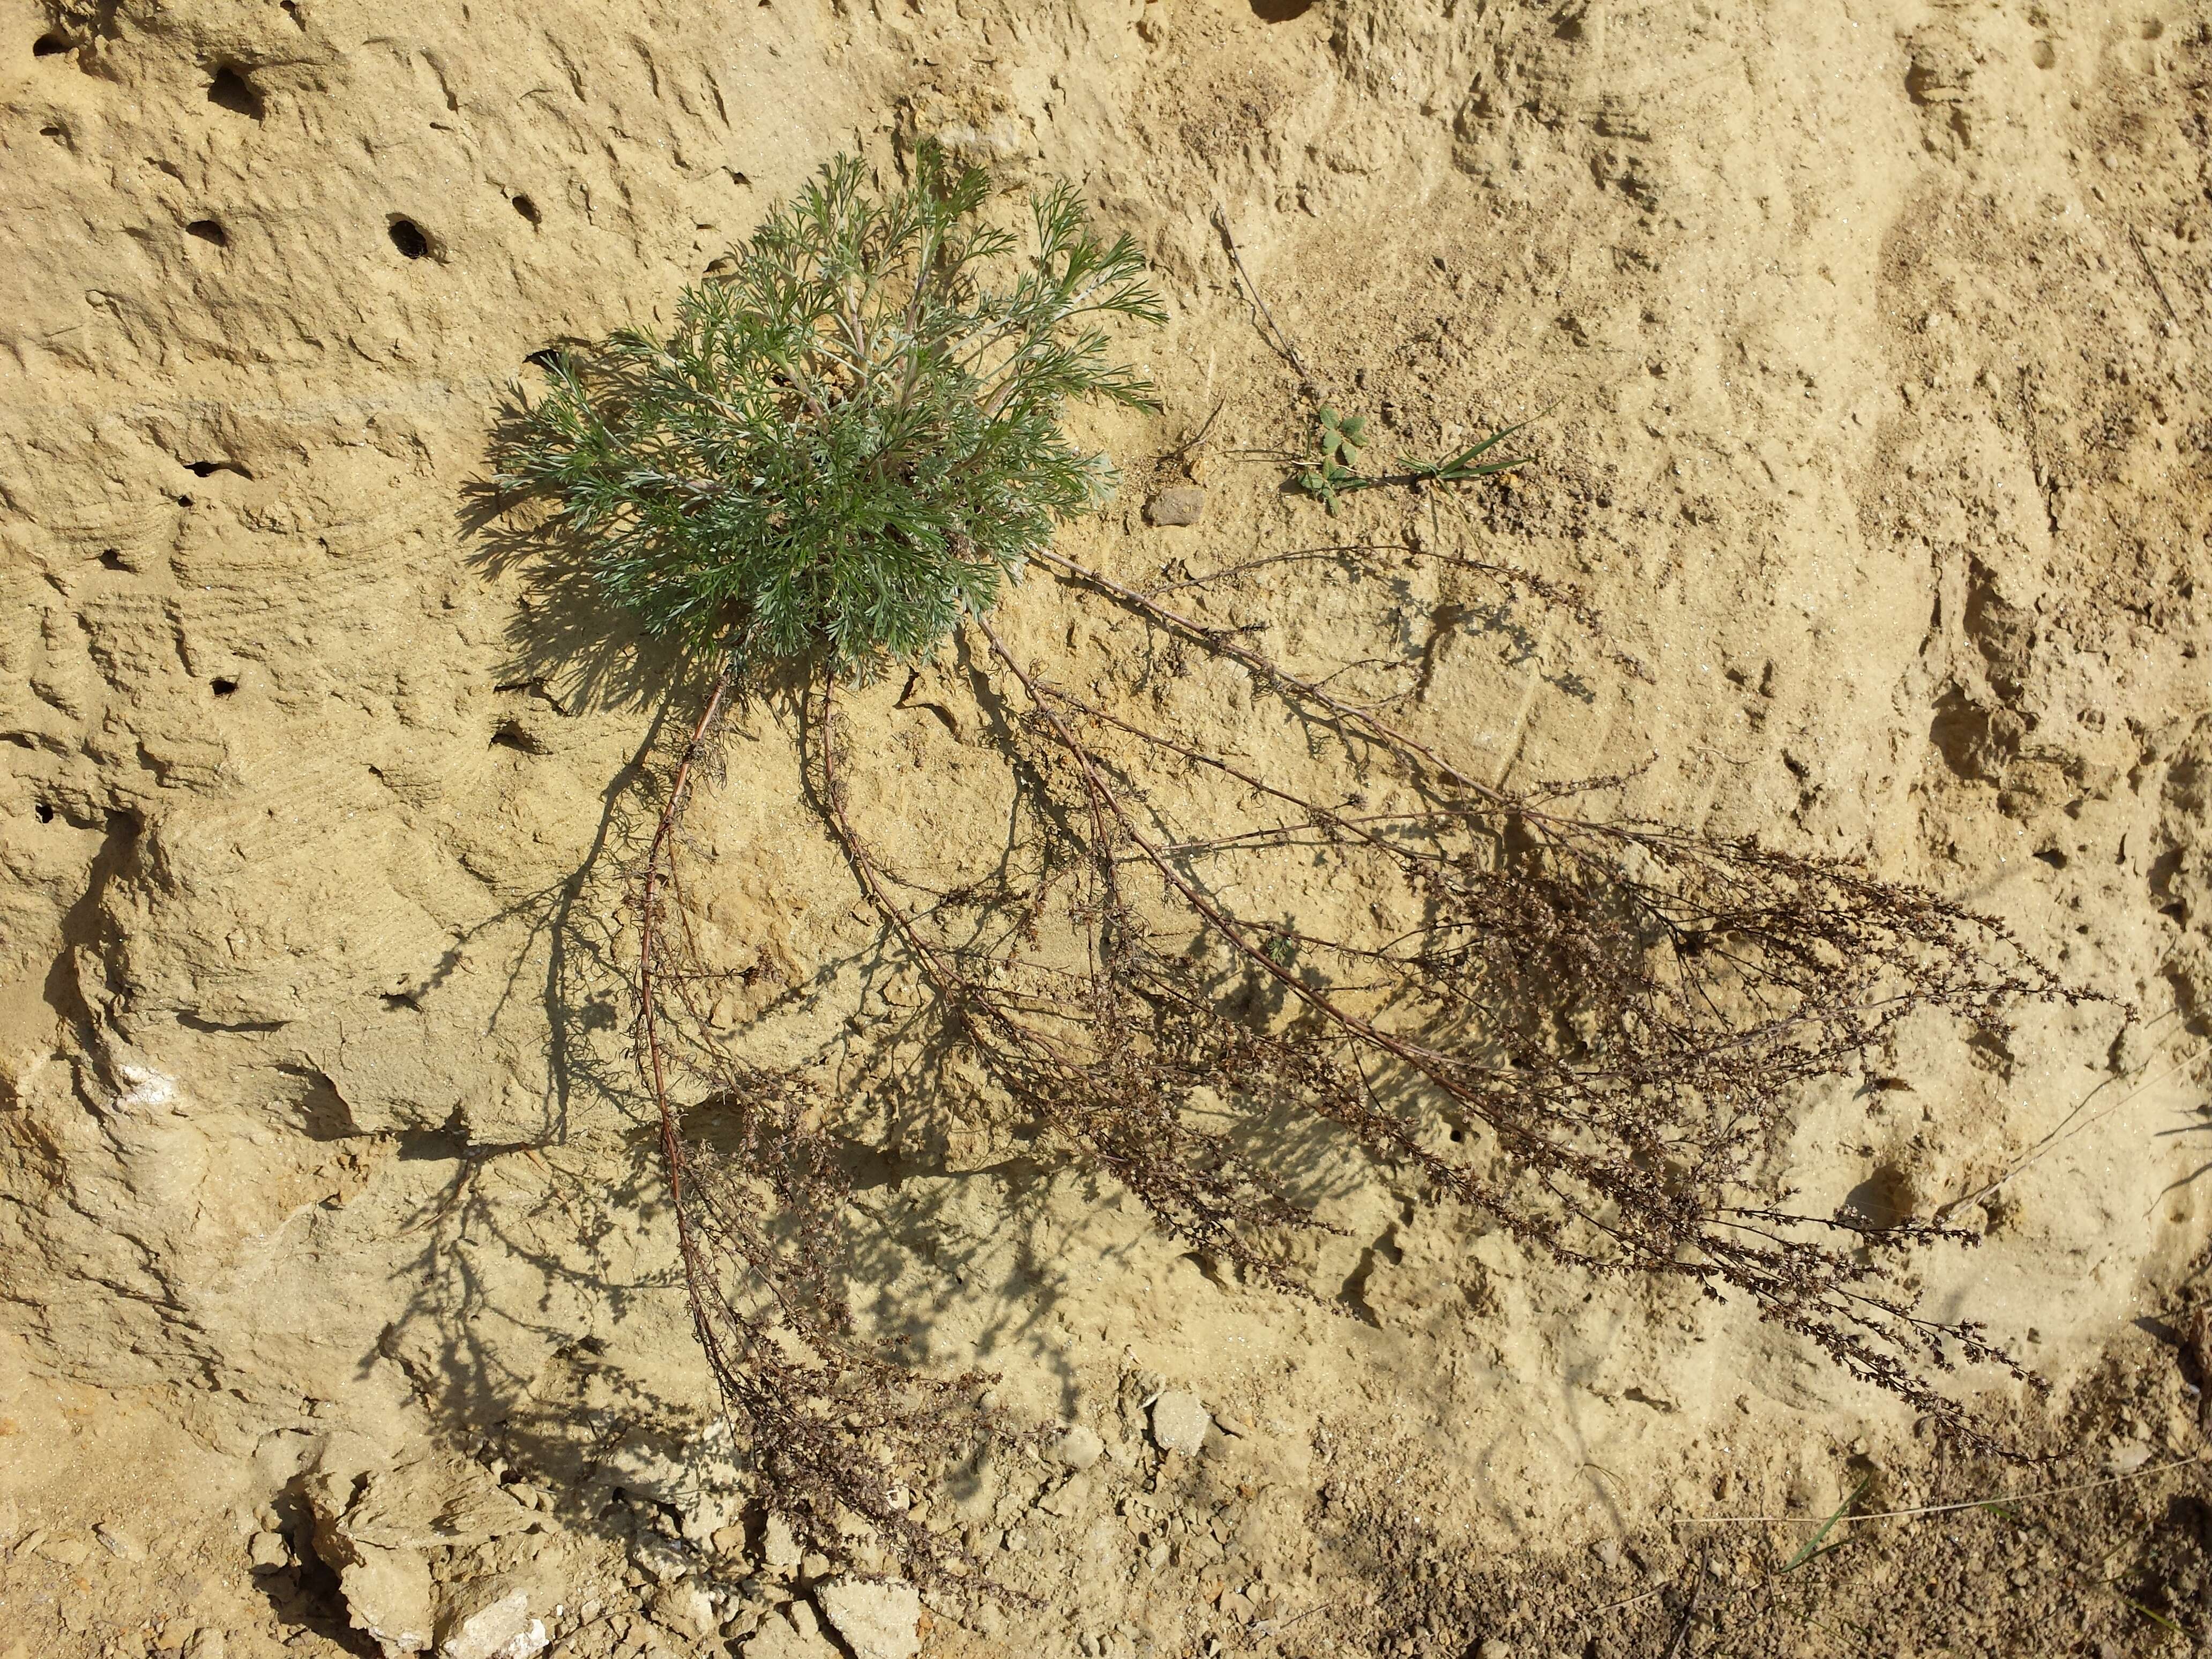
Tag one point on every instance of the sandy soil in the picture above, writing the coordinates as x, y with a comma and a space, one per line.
1865, 345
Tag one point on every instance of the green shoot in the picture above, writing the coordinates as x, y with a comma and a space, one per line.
1812, 1546
1335, 473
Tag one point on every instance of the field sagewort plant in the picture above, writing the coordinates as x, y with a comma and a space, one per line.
1588, 1034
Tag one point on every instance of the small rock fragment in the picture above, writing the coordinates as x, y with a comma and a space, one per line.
1079, 1448
387, 1596
779, 1548
1176, 506
1492, 1648
2126, 1459
742, 1623
71, 1552
777, 1637
491, 1619
1179, 1422
207, 1644
685, 1608
1069, 1499
118, 1543
659, 1558
877, 1622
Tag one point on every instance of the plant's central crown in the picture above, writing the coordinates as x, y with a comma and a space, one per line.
851, 438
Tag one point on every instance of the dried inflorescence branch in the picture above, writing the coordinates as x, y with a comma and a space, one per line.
1611, 1023
835, 1424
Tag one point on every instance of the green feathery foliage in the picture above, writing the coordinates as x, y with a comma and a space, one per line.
852, 438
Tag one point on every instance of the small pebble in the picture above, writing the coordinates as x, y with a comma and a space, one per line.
1079, 1448
1177, 506
779, 1548
877, 1622
660, 1559
1180, 1422
685, 1608
1069, 1499
267, 1552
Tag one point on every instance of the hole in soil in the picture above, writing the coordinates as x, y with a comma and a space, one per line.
209, 469
1281, 11
528, 209
2053, 857
209, 230
184, 501
44, 812
511, 735
222, 685
49, 46
547, 358
407, 236
59, 135
232, 91
112, 558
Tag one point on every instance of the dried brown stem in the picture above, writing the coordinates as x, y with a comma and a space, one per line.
1590, 1032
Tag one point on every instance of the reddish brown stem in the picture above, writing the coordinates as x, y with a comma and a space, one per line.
657, 874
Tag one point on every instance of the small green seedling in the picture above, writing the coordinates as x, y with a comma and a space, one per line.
1814, 1546
1336, 473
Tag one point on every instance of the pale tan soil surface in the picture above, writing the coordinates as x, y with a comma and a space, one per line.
1868, 342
